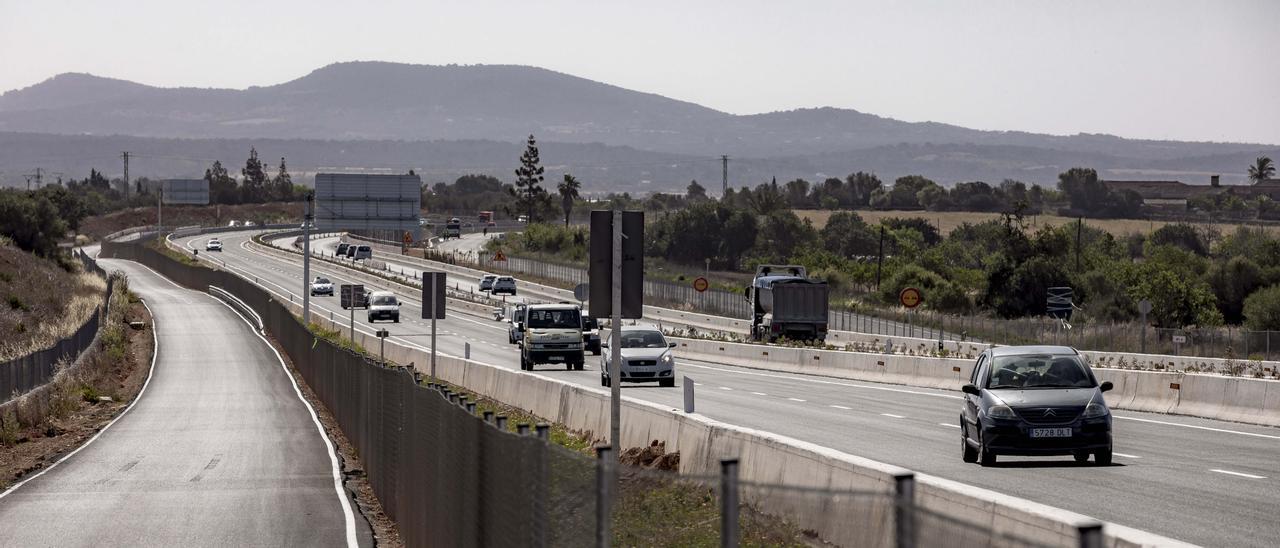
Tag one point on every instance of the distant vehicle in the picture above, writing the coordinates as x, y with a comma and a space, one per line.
362, 252
249, 223
785, 302
342, 248
552, 334
213, 245
452, 229
515, 331
646, 357
1034, 400
485, 217
351, 251
383, 305
522, 219
490, 224
233, 223
591, 335
505, 285
486, 282
321, 286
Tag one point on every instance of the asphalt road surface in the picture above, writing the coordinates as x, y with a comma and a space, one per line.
1202, 481
218, 450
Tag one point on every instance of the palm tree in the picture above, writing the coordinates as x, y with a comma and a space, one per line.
1263, 168
568, 193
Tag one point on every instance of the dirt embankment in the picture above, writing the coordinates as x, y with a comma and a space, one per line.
39, 427
212, 215
42, 300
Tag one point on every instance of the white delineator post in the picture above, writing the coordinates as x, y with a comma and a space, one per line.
615, 336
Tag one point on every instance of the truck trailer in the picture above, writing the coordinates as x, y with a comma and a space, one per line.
786, 302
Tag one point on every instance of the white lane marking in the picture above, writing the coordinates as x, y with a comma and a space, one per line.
748, 371
1197, 427
796, 399
841, 407
949, 425
347, 515
892, 415
1240, 474
725, 388
155, 353
1125, 455
760, 393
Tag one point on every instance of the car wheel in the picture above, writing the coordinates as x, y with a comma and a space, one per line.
667, 383
1102, 457
985, 456
967, 452
1081, 456
396, 319
604, 381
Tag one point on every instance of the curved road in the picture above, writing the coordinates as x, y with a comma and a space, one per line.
218, 450
1198, 480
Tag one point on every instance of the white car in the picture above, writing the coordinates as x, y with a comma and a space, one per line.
321, 286
383, 305
646, 357
213, 245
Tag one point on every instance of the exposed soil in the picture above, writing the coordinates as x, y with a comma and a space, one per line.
36, 447
212, 215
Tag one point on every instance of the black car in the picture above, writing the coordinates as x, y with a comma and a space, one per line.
1034, 400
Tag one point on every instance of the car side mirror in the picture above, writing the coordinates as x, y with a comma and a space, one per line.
671, 345
1105, 386
970, 389
604, 344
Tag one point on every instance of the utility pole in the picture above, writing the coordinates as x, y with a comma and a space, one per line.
1079, 230
880, 258
125, 155
306, 260
39, 178
615, 337
724, 176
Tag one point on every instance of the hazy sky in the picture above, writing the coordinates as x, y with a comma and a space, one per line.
1192, 70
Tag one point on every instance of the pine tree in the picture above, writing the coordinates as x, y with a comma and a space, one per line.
255, 179
283, 184
529, 191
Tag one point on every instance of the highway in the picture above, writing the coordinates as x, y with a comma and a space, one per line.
1202, 481
219, 449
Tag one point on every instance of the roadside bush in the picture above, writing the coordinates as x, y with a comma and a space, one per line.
1262, 309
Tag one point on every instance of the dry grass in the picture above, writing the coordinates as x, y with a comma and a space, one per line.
946, 221
100, 226
41, 302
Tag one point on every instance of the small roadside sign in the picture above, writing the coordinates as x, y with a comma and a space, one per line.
1180, 339
581, 292
1144, 307
352, 296
910, 297
701, 284
499, 257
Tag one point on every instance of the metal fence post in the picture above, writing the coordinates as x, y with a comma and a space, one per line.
1090, 534
904, 498
729, 503
522, 429
605, 462
466, 350
488, 417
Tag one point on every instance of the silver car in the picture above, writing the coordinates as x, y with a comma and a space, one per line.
646, 357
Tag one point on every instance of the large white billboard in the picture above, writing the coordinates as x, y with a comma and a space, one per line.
355, 201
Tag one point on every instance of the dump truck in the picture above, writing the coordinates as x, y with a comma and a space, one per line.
786, 302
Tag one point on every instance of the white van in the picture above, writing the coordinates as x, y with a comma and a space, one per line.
363, 252
383, 305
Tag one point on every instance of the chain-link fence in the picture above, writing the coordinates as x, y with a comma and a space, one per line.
448, 477
24, 373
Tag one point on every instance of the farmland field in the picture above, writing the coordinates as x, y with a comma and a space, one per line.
946, 221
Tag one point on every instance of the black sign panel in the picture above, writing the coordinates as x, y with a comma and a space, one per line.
1058, 304
433, 284
601, 265
353, 296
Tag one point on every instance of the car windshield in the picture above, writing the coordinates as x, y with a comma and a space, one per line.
554, 319
384, 300
322, 280
643, 339
1043, 371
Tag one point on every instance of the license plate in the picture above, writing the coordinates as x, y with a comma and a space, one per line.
556, 358
1050, 432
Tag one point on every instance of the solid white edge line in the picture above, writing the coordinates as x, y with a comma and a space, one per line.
155, 353
1198, 427
841, 407
797, 399
1125, 455
949, 425
892, 415
1240, 474
347, 514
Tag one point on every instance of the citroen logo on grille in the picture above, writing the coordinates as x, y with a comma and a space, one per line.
1050, 413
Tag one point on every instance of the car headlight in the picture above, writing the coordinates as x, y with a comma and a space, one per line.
1094, 410
1001, 411
667, 359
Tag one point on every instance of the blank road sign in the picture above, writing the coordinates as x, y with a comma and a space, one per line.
357, 201
185, 191
352, 296
433, 289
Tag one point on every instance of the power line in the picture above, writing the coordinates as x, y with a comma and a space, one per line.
125, 155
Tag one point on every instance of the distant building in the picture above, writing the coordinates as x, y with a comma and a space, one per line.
1166, 195
1266, 187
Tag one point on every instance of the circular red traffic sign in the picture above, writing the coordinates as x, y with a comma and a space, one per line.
910, 297
701, 284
